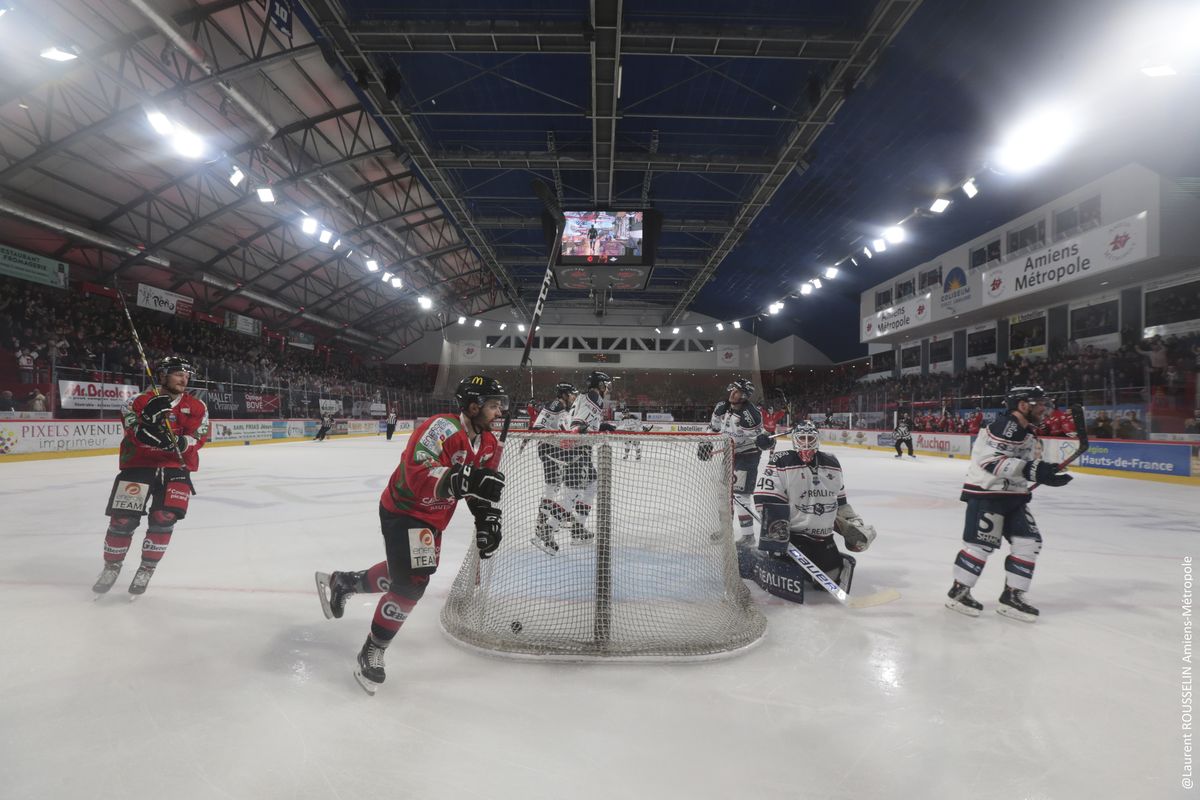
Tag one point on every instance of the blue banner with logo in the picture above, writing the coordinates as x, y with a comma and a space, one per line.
1145, 457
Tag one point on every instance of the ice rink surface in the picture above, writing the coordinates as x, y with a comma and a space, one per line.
225, 680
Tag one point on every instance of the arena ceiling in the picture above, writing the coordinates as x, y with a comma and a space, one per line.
775, 137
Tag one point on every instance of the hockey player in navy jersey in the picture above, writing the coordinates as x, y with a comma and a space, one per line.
803, 498
1005, 464
738, 418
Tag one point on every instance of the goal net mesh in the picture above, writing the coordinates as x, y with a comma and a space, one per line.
650, 572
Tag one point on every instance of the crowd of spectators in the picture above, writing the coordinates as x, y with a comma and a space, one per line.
86, 337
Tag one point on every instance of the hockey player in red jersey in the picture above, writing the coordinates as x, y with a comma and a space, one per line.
772, 420
165, 428
1060, 422
449, 457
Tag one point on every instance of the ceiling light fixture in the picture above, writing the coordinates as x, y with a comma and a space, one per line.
309, 225
737, 323
424, 302
372, 265
831, 273
265, 195
969, 188
939, 205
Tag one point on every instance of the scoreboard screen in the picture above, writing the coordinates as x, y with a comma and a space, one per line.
613, 238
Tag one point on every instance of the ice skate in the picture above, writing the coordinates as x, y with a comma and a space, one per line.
581, 535
899, 456
370, 673
141, 579
334, 589
108, 576
960, 599
1013, 605
544, 538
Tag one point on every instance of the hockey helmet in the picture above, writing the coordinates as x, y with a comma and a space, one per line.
173, 364
595, 379
1028, 394
742, 385
565, 388
479, 389
807, 440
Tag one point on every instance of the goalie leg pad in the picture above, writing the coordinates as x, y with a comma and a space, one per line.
781, 577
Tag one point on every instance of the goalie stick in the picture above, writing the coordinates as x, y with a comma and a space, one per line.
827, 583
1082, 434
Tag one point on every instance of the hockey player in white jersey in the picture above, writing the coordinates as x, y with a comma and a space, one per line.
803, 498
738, 418
631, 423
1005, 464
572, 507
554, 416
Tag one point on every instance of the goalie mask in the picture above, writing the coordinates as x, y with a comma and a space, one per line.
807, 441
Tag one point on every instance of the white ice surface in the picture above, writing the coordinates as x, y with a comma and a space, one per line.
225, 681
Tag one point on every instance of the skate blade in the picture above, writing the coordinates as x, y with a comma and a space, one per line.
1012, 613
544, 547
954, 605
370, 687
882, 597
322, 580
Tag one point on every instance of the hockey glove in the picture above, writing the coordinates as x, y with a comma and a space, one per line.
1045, 472
156, 436
704, 451
480, 482
774, 537
858, 534
487, 531
156, 409
764, 441
607, 427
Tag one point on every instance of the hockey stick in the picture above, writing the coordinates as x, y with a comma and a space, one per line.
171, 437
1082, 435
827, 583
560, 220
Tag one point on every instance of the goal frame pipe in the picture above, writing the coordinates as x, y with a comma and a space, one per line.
602, 621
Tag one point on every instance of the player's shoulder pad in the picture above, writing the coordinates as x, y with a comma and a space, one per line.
828, 460
751, 416
1006, 427
555, 406
784, 458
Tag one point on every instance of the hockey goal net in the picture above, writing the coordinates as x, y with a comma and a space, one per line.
649, 573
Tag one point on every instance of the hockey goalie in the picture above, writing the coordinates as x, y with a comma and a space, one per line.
803, 500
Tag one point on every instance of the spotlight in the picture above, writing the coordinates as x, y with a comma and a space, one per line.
699, 329
397, 283
969, 188
521, 327
816, 282
372, 265
309, 225
503, 325
424, 302
478, 322
325, 236
265, 195
867, 252
59, 54
831, 273
773, 309
1035, 140
854, 262
387, 276
462, 320
720, 326
158, 120
880, 245
674, 331
894, 234
237, 177
939, 205
658, 330
737, 323
186, 143
337, 243
806, 289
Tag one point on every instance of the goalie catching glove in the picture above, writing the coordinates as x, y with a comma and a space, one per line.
850, 525
487, 529
1045, 472
464, 480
